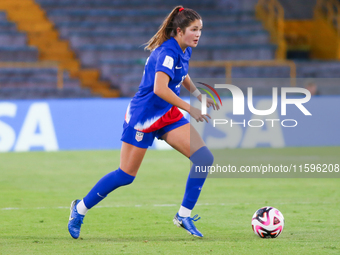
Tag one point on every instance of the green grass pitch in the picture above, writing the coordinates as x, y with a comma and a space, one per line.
37, 188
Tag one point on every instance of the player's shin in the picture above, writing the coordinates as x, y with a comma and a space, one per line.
106, 185
204, 159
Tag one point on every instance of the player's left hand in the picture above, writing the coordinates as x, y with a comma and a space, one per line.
210, 102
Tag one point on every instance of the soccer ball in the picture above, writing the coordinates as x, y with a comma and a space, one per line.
267, 222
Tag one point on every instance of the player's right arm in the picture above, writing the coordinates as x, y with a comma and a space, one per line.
162, 90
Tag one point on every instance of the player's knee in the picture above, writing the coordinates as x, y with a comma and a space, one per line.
127, 181
125, 178
202, 157
209, 159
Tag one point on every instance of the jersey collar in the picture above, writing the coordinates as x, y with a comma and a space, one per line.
177, 46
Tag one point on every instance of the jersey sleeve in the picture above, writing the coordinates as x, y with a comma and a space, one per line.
166, 62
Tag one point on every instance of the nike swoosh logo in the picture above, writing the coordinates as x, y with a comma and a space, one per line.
178, 67
100, 195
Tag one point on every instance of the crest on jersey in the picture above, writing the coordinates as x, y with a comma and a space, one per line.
139, 136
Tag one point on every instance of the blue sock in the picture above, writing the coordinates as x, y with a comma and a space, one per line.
105, 185
203, 158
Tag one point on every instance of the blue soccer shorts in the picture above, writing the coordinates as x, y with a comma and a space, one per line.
144, 140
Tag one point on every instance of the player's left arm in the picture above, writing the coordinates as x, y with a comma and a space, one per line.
191, 87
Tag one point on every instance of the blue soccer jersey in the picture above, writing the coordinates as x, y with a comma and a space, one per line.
146, 109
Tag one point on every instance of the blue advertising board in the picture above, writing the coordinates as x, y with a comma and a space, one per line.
93, 124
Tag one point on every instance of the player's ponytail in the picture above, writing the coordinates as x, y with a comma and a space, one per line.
179, 17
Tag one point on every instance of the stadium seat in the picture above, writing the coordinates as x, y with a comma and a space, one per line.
3, 17
103, 30
111, 36
29, 82
18, 53
12, 38
43, 93
6, 26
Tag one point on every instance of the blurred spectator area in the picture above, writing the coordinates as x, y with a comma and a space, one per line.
110, 36
23, 76
27, 80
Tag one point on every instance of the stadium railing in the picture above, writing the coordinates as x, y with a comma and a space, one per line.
331, 9
326, 35
228, 65
272, 14
39, 65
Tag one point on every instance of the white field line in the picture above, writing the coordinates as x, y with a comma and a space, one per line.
159, 205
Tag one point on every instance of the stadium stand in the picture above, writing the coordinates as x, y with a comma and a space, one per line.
31, 19
302, 9
103, 41
27, 81
13, 44
110, 35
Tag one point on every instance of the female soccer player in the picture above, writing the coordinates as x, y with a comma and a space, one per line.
153, 112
